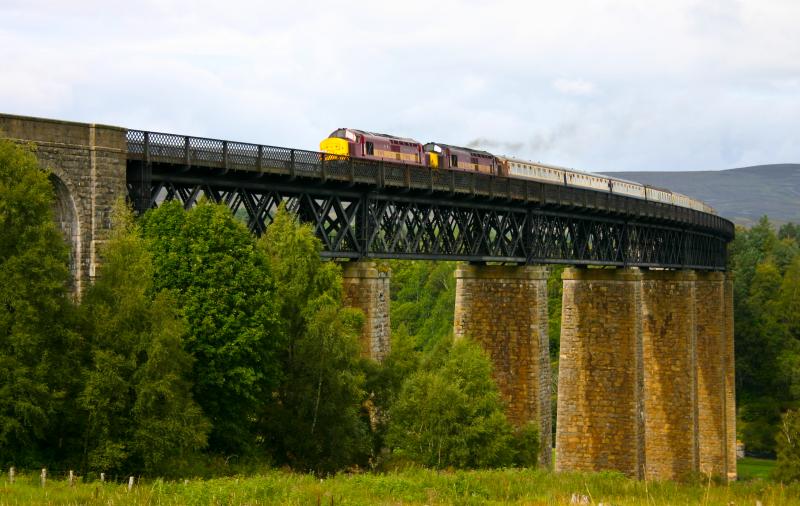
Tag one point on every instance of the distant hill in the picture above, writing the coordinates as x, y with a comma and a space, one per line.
742, 195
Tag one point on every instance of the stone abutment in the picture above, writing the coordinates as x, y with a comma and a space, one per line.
87, 163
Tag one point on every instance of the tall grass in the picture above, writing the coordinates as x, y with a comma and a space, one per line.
508, 486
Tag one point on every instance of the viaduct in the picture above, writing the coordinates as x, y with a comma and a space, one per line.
646, 367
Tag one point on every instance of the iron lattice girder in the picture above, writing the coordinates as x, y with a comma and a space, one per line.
354, 222
228, 162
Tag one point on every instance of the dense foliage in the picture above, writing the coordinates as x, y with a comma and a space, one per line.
200, 345
314, 418
226, 294
449, 414
38, 348
423, 300
788, 468
136, 401
766, 266
423, 305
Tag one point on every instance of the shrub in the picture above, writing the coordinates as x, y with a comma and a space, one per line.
449, 413
788, 467
526, 444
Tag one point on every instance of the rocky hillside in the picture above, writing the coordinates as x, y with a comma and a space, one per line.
742, 195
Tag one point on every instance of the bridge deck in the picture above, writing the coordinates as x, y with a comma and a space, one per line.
373, 209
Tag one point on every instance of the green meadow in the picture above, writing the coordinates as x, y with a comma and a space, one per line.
411, 487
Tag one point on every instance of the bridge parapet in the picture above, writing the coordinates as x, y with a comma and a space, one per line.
367, 209
184, 153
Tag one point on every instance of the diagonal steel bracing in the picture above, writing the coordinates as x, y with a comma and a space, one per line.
377, 210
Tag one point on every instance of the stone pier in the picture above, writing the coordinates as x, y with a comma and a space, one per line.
366, 287
504, 308
646, 374
715, 381
599, 424
730, 381
87, 164
670, 383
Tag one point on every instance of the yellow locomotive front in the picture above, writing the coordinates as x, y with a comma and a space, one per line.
349, 142
337, 145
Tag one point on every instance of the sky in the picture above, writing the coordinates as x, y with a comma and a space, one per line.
617, 85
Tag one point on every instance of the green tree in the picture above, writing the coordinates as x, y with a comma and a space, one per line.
223, 286
554, 301
139, 412
554, 305
39, 353
787, 307
386, 379
788, 466
423, 299
789, 231
449, 412
315, 421
784, 252
789, 298
766, 338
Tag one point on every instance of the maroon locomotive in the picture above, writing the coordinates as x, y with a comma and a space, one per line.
373, 146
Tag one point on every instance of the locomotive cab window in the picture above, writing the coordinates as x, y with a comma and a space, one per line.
343, 133
454, 160
370, 148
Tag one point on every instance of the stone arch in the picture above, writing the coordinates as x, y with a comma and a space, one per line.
65, 213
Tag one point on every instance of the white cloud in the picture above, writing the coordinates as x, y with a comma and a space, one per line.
574, 86
598, 84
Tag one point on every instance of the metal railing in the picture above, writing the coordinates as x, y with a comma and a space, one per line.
196, 152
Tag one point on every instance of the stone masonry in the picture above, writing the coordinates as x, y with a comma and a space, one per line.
366, 287
87, 163
646, 373
599, 424
504, 308
715, 397
730, 380
670, 383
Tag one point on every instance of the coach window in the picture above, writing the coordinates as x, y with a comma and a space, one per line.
370, 149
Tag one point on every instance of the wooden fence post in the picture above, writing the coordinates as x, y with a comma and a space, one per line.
130, 483
71, 478
102, 477
43, 477
11, 473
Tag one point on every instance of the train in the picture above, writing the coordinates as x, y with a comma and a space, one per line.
361, 144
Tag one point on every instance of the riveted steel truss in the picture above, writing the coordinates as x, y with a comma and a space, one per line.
353, 223
364, 209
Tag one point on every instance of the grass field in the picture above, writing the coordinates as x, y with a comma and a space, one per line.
750, 468
507, 486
